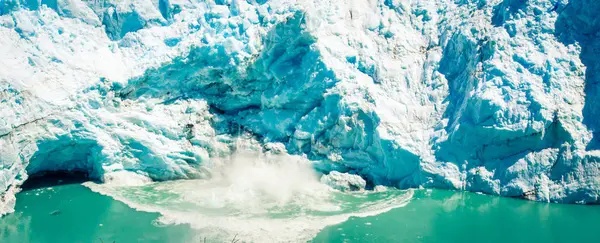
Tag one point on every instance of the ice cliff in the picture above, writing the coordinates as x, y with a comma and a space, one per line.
495, 96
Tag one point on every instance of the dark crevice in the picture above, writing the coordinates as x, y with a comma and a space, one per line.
15, 128
47, 179
23, 124
506, 10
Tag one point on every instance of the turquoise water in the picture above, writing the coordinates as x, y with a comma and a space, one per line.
446, 216
73, 213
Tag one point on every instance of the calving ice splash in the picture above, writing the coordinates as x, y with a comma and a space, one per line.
493, 96
256, 197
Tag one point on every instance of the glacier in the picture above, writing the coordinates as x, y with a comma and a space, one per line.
493, 96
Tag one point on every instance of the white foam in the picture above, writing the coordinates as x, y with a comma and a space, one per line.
125, 178
259, 198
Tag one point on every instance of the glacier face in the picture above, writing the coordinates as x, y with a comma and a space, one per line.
496, 96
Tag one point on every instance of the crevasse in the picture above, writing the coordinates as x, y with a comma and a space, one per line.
491, 96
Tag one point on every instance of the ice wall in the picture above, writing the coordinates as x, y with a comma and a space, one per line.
491, 96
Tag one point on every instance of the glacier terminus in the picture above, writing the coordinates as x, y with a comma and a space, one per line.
492, 96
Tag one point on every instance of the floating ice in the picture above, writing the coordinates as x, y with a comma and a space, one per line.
344, 181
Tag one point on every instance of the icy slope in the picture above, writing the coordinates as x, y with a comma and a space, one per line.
492, 96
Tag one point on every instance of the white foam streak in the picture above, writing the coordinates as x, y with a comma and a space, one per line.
259, 197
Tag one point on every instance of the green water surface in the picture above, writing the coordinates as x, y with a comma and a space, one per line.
73, 213
446, 216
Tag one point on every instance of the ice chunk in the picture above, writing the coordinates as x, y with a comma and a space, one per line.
344, 181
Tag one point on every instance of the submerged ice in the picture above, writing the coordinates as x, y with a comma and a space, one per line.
494, 96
